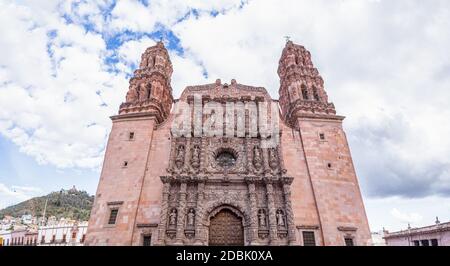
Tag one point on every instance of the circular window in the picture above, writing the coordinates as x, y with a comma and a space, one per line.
226, 159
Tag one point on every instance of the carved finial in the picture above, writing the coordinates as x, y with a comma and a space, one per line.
288, 38
437, 220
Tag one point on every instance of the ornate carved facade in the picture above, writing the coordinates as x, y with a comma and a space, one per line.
227, 190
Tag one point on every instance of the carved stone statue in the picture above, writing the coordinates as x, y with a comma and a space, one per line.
262, 218
316, 94
191, 217
173, 217
132, 95
144, 62
157, 89
280, 218
273, 158
179, 160
195, 161
144, 92
257, 161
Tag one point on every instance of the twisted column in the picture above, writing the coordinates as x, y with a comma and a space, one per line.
272, 217
286, 182
181, 213
253, 211
199, 226
164, 206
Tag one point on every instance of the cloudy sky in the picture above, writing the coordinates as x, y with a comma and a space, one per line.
65, 65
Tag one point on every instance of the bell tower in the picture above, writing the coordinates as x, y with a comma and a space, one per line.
127, 156
325, 151
302, 90
150, 92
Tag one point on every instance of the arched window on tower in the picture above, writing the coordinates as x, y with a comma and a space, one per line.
316, 94
304, 93
296, 60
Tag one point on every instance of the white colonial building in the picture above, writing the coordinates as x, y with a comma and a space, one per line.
65, 233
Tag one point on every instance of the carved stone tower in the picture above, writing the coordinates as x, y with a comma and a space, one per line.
322, 140
150, 91
302, 90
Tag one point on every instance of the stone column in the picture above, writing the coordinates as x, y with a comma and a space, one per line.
253, 211
164, 206
272, 217
199, 226
181, 213
286, 182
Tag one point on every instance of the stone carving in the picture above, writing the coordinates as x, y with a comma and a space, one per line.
262, 218
316, 94
312, 88
132, 95
280, 218
140, 97
191, 217
150, 61
171, 234
273, 158
173, 217
144, 91
195, 160
257, 160
179, 161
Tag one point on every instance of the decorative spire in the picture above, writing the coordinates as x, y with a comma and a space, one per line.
150, 91
301, 86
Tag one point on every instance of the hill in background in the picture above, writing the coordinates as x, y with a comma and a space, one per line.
72, 204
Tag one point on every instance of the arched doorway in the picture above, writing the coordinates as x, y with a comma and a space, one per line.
226, 229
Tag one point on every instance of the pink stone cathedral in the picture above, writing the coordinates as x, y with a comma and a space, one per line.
161, 188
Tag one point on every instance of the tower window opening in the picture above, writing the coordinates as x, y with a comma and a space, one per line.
113, 216
316, 95
304, 93
349, 241
131, 136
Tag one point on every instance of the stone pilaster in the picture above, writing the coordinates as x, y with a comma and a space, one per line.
286, 182
272, 216
253, 211
163, 214
199, 226
181, 213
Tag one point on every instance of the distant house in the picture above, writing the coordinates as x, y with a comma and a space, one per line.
433, 235
5, 238
62, 234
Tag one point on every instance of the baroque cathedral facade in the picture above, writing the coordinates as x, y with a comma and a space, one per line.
159, 187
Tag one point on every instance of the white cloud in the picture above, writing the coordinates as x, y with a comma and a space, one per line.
16, 194
132, 15
130, 53
406, 217
54, 88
